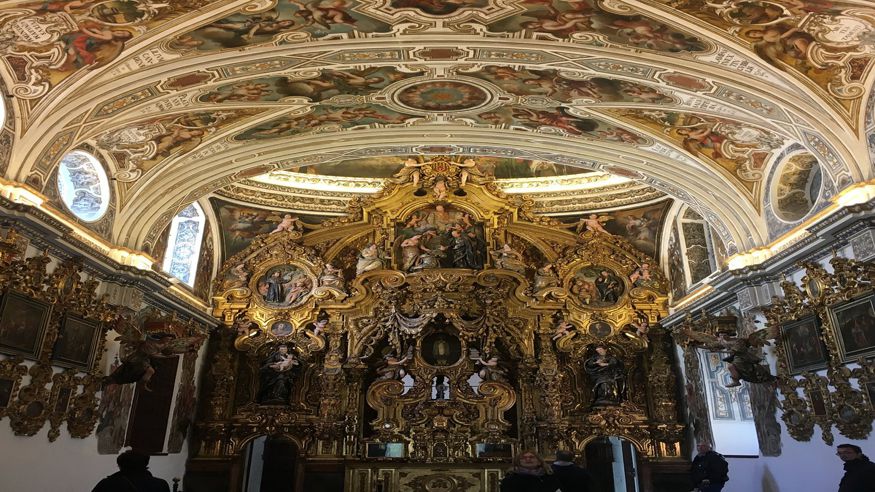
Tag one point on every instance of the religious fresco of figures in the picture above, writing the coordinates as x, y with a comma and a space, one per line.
564, 19
439, 236
241, 224
147, 143
640, 226
46, 42
387, 167
327, 84
318, 18
284, 286
797, 187
827, 42
738, 147
325, 116
854, 326
562, 88
562, 119
677, 278
596, 286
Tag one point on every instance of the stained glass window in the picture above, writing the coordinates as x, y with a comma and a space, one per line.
83, 185
184, 244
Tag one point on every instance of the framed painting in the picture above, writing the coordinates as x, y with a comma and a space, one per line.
76, 344
23, 322
803, 345
854, 325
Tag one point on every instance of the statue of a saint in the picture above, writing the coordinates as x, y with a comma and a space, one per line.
608, 376
546, 277
509, 259
276, 377
332, 277
369, 259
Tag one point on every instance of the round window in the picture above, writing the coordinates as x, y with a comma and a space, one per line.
83, 185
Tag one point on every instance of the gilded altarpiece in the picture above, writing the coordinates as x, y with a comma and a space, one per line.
436, 330
826, 370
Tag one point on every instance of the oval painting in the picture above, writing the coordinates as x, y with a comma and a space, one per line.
281, 328
285, 286
596, 286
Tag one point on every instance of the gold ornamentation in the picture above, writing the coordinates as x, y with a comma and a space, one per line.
837, 398
371, 346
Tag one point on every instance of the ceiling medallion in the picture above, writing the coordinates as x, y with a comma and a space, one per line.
443, 96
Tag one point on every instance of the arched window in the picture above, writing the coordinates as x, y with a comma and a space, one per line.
83, 185
184, 244
2, 112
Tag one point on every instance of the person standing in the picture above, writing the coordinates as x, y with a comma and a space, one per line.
710, 470
572, 477
859, 471
133, 476
530, 474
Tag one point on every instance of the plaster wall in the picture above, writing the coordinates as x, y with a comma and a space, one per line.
802, 467
66, 465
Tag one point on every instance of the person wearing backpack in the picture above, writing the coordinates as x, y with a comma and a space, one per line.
710, 471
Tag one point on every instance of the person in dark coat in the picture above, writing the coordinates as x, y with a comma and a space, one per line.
530, 474
133, 476
859, 471
710, 470
572, 477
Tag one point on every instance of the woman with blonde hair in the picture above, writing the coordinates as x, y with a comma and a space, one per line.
530, 474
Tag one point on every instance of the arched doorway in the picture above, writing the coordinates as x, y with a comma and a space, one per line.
613, 463
270, 465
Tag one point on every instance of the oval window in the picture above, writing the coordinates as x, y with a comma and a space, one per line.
83, 185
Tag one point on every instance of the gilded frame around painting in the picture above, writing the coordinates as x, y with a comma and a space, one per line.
76, 344
853, 323
23, 323
804, 347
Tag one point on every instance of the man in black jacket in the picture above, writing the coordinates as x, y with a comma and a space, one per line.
710, 470
133, 476
572, 477
859, 471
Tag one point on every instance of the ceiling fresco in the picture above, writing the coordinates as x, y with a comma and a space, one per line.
382, 167
582, 20
694, 99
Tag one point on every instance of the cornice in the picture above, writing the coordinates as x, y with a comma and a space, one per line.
59, 240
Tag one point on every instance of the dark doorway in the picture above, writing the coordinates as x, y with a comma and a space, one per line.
613, 464
270, 465
147, 426
278, 474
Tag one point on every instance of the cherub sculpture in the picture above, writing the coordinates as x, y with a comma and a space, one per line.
562, 329
593, 223
394, 367
137, 366
745, 354
288, 223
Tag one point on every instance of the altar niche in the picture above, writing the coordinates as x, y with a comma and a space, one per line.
443, 394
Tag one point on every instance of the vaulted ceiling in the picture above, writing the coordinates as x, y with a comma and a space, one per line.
697, 99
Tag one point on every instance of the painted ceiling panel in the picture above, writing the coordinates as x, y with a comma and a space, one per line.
674, 88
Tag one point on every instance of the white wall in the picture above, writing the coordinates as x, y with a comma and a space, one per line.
802, 467
33, 464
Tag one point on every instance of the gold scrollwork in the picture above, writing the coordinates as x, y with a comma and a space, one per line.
839, 398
